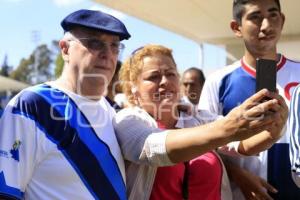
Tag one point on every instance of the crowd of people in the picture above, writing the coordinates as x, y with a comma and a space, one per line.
170, 137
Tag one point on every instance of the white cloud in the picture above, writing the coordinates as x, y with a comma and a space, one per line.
64, 3
110, 11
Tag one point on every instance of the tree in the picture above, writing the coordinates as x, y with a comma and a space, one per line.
43, 61
5, 68
23, 71
59, 62
36, 68
59, 65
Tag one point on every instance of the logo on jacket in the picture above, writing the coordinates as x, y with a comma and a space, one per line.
15, 150
288, 89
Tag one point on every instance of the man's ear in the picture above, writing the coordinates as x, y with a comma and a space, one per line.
64, 46
236, 28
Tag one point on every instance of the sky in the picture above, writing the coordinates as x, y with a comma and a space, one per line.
27, 23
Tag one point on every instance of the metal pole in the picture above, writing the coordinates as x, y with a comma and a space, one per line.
201, 56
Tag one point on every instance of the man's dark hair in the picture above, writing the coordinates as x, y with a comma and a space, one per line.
238, 8
199, 72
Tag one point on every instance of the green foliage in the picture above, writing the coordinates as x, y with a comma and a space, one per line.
36, 68
59, 65
22, 73
5, 68
43, 62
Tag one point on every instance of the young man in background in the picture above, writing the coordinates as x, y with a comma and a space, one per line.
259, 24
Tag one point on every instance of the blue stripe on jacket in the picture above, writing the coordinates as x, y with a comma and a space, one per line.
235, 88
55, 113
5, 190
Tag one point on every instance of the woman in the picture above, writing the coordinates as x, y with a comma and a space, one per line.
151, 83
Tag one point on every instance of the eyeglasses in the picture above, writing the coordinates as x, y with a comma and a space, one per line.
98, 45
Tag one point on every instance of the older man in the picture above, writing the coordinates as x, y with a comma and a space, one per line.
192, 82
57, 139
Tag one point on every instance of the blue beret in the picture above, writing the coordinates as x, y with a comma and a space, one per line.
95, 20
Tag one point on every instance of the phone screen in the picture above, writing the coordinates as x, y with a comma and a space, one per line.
266, 74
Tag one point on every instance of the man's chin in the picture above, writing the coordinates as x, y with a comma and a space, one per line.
97, 78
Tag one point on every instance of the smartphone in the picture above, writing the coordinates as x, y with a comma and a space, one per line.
266, 74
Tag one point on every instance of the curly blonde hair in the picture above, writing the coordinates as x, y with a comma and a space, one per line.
132, 67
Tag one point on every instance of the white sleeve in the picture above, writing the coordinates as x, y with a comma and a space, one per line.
17, 147
140, 139
205, 116
209, 99
294, 131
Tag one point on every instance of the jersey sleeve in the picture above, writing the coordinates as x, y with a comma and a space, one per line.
209, 99
17, 146
140, 139
294, 130
210, 104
